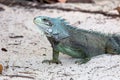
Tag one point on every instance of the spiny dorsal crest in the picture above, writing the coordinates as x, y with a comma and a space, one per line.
62, 20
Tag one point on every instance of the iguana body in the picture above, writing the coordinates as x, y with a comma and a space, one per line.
76, 42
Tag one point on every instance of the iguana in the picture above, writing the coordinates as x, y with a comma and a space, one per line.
77, 43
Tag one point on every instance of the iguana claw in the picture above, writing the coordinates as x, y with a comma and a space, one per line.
82, 61
52, 61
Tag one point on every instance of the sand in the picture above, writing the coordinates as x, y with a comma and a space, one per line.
27, 47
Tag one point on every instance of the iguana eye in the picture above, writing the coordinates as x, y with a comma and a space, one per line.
47, 22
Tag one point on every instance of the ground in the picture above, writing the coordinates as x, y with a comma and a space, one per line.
24, 47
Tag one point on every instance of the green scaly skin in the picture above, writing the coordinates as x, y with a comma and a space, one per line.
77, 43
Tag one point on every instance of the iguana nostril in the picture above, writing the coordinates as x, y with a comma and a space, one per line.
35, 18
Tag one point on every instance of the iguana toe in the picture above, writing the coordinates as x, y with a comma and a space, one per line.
82, 61
52, 61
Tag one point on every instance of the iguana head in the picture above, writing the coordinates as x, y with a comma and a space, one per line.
52, 27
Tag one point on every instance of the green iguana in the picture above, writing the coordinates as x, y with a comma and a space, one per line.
76, 42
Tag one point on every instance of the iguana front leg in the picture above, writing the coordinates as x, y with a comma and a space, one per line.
55, 52
55, 58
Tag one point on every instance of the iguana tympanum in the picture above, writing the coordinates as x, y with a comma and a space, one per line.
77, 43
